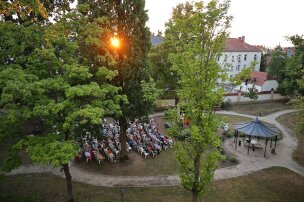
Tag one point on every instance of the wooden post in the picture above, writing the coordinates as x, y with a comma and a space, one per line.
265, 146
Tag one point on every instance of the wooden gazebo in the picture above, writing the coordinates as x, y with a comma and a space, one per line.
256, 128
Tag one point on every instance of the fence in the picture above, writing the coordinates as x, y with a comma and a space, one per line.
266, 96
235, 98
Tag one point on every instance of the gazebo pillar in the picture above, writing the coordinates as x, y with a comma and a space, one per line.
271, 142
236, 138
249, 144
275, 142
265, 146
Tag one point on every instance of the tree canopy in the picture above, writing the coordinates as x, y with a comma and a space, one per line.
47, 76
288, 70
128, 21
160, 69
198, 31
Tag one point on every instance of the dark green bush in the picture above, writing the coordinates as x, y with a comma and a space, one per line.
11, 162
226, 104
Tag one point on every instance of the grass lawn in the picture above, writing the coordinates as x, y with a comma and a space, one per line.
273, 184
263, 108
290, 121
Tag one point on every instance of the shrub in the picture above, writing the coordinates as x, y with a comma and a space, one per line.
226, 104
229, 135
241, 135
232, 159
12, 161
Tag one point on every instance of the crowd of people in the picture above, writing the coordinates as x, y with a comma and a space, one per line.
143, 138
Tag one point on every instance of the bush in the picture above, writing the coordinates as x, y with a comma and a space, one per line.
12, 161
226, 104
232, 159
227, 134
241, 135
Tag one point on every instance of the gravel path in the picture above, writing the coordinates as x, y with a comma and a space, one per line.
248, 163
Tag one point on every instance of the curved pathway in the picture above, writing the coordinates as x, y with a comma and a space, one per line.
255, 161
248, 163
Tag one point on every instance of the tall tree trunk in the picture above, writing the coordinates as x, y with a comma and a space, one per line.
194, 196
123, 138
69, 182
68, 176
197, 167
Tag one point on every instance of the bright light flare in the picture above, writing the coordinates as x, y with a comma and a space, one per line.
115, 42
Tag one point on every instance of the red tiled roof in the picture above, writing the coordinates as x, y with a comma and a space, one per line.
239, 45
260, 47
258, 78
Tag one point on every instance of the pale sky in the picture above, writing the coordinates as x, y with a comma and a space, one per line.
262, 22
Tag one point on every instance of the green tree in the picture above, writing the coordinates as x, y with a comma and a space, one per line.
48, 78
128, 20
298, 64
198, 31
252, 95
243, 75
160, 69
264, 61
293, 70
39, 11
278, 64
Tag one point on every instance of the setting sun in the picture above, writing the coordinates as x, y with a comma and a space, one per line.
115, 42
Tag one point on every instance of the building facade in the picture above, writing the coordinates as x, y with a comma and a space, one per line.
238, 55
261, 82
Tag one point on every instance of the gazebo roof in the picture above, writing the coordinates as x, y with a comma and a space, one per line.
256, 128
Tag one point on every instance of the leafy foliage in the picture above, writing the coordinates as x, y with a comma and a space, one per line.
48, 76
289, 71
38, 11
298, 61
11, 161
198, 32
22, 10
160, 69
51, 149
278, 64
299, 105
244, 75
127, 19
251, 94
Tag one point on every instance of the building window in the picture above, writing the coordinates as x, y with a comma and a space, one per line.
218, 58
225, 59
238, 67
239, 58
245, 57
231, 68
255, 57
244, 66
232, 58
